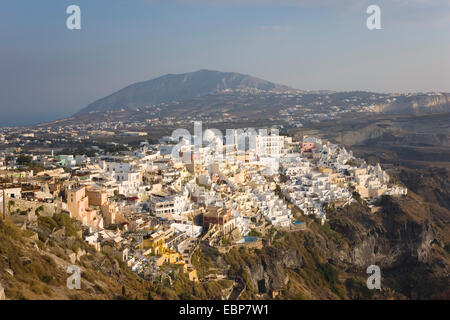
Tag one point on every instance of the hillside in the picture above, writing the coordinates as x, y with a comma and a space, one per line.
33, 267
329, 262
178, 87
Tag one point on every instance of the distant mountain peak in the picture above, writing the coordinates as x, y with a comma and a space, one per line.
178, 87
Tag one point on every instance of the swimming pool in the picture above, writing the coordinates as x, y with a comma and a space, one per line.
247, 239
250, 239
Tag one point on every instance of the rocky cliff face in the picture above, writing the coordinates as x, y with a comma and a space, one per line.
361, 135
418, 104
269, 273
318, 263
386, 238
405, 241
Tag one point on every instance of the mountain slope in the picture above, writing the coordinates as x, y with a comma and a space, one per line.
33, 266
177, 87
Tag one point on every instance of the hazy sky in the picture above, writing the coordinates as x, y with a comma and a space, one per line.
48, 72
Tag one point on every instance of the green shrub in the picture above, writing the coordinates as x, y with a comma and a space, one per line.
37, 288
329, 273
15, 294
225, 283
47, 279
201, 262
89, 276
47, 223
331, 276
254, 233
39, 210
11, 203
63, 220
100, 289
48, 291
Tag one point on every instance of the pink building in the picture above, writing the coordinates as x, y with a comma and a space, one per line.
78, 205
308, 146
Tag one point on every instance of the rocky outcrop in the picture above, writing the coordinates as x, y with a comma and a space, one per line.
269, 272
361, 135
391, 245
419, 104
401, 239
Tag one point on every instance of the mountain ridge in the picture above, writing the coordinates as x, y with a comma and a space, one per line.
171, 89
178, 87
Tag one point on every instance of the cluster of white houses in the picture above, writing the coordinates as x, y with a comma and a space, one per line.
148, 206
326, 173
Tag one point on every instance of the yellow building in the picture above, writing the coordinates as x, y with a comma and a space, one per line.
157, 242
360, 171
170, 257
325, 170
97, 197
156, 245
191, 272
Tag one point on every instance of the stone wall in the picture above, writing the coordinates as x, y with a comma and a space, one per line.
23, 205
258, 244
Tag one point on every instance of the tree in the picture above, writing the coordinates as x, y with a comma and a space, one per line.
356, 195
24, 160
11, 203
